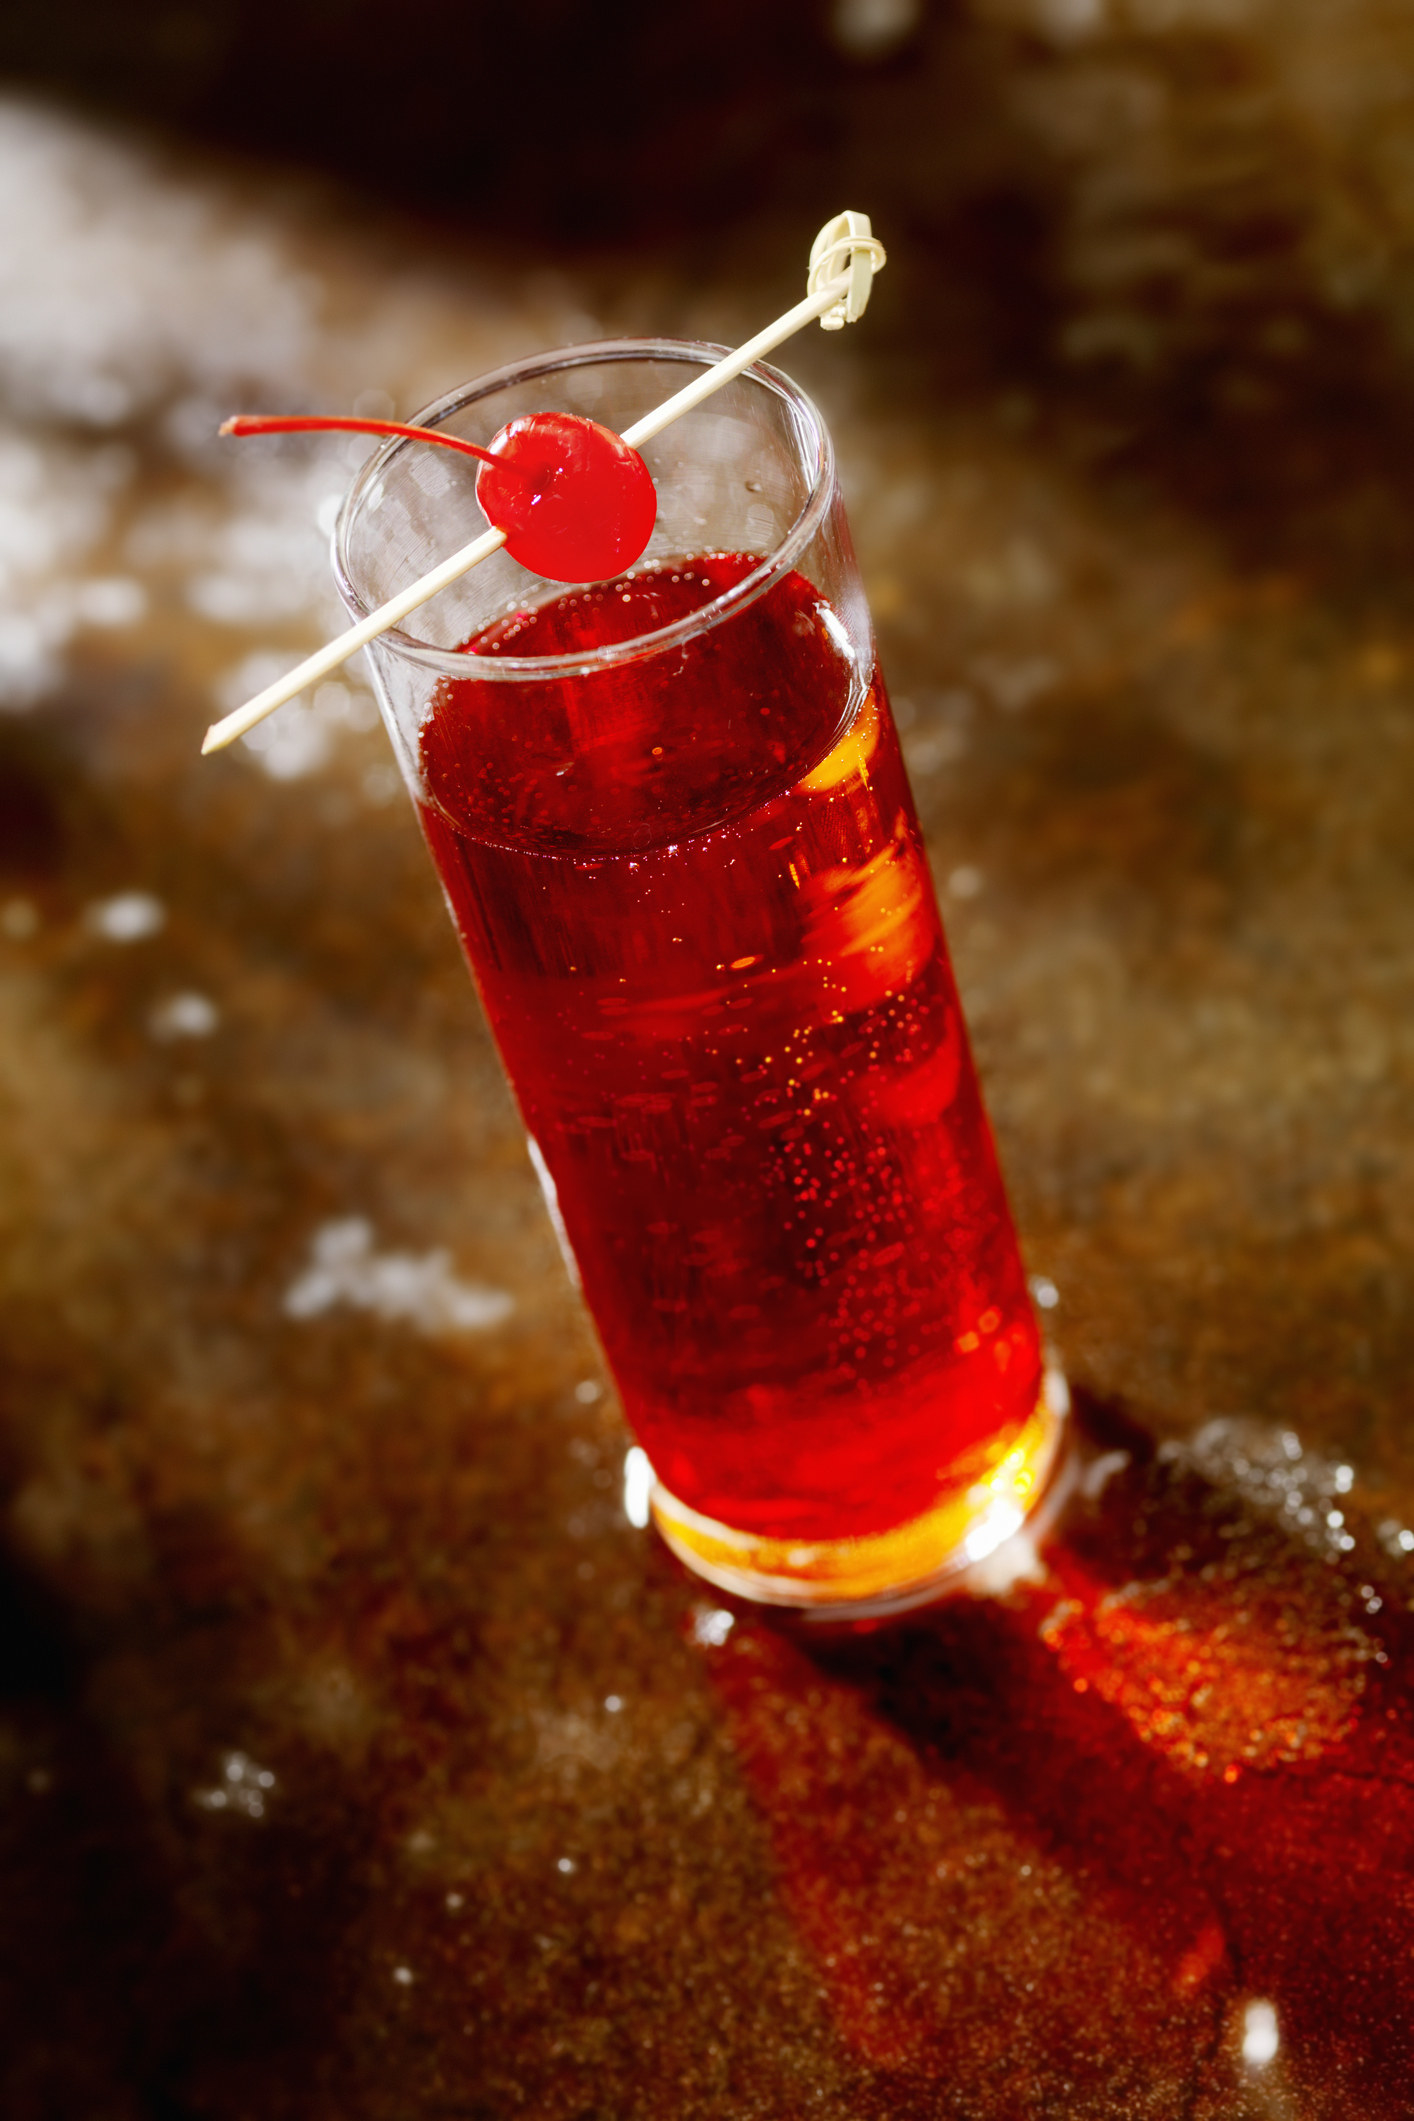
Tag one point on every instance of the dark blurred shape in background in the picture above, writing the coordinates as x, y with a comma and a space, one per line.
1200, 208
577, 121
632, 127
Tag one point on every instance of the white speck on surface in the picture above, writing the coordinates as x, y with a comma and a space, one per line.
455, 1900
871, 29
109, 600
965, 881
1044, 1293
19, 919
420, 1288
1261, 2036
638, 1486
185, 1015
293, 741
928, 749
243, 1788
711, 1626
403, 1976
588, 1390
128, 917
290, 743
565, 1864
1015, 685
1101, 1471
251, 675
344, 706
613, 1703
1068, 21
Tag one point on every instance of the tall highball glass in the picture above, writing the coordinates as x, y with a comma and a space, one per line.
674, 830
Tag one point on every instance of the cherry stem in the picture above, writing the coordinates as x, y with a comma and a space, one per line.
259, 423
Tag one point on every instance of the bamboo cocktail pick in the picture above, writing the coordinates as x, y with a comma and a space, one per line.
843, 261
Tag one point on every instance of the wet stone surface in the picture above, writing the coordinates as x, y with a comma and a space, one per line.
358, 1756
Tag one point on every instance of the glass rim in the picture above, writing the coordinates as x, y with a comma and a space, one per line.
460, 662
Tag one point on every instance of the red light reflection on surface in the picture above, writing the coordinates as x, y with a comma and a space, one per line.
1177, 1775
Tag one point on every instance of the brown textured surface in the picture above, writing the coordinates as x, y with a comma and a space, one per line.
513, 1822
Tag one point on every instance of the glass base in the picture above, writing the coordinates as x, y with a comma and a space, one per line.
881, 1572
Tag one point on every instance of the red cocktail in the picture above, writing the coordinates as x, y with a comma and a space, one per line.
674, 828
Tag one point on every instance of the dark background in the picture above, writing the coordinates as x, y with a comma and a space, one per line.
1193, 215
581, 123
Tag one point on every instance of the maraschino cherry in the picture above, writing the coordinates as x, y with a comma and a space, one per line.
582, 506
575, 502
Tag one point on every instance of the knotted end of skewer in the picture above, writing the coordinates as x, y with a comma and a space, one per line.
845, 245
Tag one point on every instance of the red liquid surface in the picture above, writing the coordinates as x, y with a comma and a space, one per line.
695, 899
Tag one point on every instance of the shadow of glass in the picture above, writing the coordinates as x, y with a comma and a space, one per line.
1147, 1820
